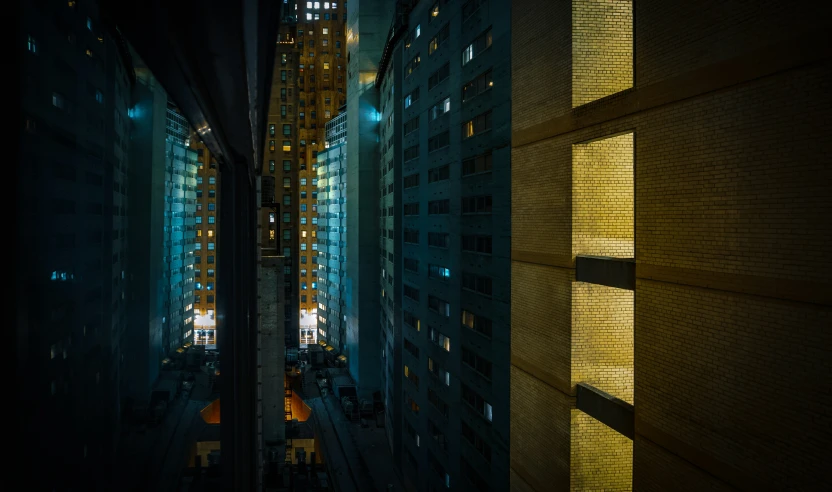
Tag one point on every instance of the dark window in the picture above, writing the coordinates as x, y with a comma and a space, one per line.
478, 442
411, 264
410, 347
477, 283
411, 236
439, 75
478, 164
411, 153
439, 207
411, 181
477, 244
477, 363
411, 126
438, 239
411, 320
411, 208
438, 141
481, 204
411, 292
439, 403
439, 173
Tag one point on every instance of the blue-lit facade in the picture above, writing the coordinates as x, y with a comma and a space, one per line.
180, 232
331, 225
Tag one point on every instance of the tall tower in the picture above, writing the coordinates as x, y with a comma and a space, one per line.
308, 87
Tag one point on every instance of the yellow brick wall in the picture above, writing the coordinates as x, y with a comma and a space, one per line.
541, 213
742, 378
601, 458
540, 429
540, 70
732, 182
602, 48
738, 181
656, 469
602, 338
602, 197
542, 306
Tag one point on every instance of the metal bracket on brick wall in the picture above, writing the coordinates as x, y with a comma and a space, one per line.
616, 414
606, 270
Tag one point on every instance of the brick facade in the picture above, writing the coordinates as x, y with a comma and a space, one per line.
728, 116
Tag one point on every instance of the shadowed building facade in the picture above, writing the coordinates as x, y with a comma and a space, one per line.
670, 268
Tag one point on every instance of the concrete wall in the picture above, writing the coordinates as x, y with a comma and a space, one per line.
368, 24
146, 185
728, 111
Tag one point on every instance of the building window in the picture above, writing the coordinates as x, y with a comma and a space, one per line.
481, 204
412, 65
271, 126
439, 207
287, 145
211, 219
287, 217
481, 123
480, 84
212, 206
411, 208
477, 363
440, 109
58, 100
411, 153
437, 271
287, 130
434, 12
479, 324
411, 181
33, 45
482, 43
411, 98
287, 182
476, 165
477, 244
271, 166
287, 165
439, 75
439, 173
440, 306
477, 402
439, 141
271, 145
439, 39
410, 292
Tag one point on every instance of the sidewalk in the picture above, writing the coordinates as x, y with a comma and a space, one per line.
358, 458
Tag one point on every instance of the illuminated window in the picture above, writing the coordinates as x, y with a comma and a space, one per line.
308, 16
271, 125
271, 145
210, 233
271, 217
325, 30
199, 219
326, 6
317, 5
199, 233
198, 246
33, 45
287, 146
309, 5
302, 233
211, 219
417, 31
58, 100
271, 234
89, 23
303, 246
89, 52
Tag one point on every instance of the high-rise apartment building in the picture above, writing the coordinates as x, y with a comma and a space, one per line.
207, 228
308, 87
444, 205
181, 250
332, 240
670, 235
71, 283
